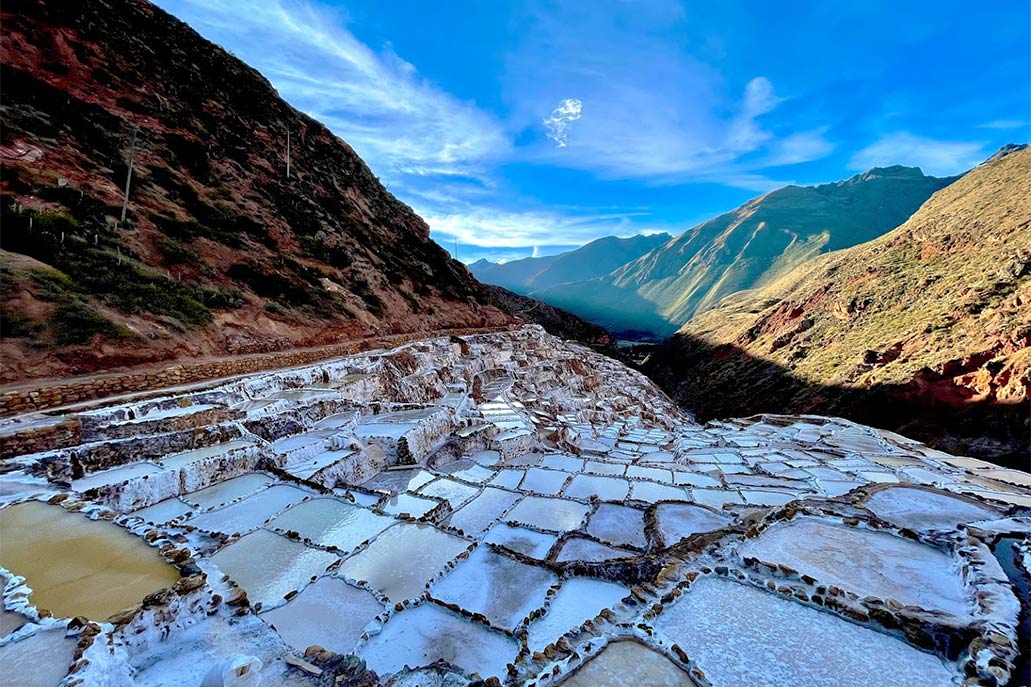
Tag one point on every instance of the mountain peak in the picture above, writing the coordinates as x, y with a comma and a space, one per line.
1007, 149
892, 171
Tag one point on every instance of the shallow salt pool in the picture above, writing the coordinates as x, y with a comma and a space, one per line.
251, 513
521, 540
556, 515
427, 633
77, 566
402, 559
739, 635
626, 663
865, 562
229, 490
606, 488
328, 612
478, 514
331, 522
680, 520
501, 588
920, 509
40, 660
579, 599
269, 566
619, 525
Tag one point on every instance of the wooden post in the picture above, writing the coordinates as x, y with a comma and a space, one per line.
128, 175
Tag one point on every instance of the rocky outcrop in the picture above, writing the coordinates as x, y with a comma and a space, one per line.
222, 244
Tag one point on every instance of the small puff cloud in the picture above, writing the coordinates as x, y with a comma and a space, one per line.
562, 117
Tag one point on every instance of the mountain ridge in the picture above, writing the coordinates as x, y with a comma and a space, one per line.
925, 330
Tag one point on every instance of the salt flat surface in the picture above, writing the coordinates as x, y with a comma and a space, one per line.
416, 506
865, 562
477, 515
115, 475
650, 492
919, 509
579, 599
252, 512
680, 520
331, 522
328, 612
628, 663
543, 481
454, 492
40, 660
521, 540
269, 566
402, 559
229, 490
618, 524
163, 511
739, 635
583, 549
607, 488
501, 588
556, 515
427, 633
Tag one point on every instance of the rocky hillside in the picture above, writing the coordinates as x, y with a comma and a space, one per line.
555, 321
748, 247
248, 226
595, 259
926, 330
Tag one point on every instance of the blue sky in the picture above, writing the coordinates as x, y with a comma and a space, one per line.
526, 128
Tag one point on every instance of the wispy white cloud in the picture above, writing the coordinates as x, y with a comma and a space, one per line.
567, 112
1005, 124
376, 101
934, 157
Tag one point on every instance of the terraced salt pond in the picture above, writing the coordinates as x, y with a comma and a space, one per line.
739, 635
77, 566
40, 660
269, 566
501, 588
865, 562
627, 663
401, 560
331, 522
538, 538
920, 509
329, 613
427, 633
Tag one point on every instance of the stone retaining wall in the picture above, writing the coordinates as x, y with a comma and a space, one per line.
54, 394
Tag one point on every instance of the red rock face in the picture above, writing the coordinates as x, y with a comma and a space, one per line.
220, 251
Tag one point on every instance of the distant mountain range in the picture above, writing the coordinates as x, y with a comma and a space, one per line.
925, 330
595, 259
665, 285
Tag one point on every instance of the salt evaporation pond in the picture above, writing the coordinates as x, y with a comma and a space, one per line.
739, 635
77, 566
329, 613
401, 560
415, 506
482, 511
579, 599
327, 521
39, 660
865, 562
252, 512
920, 509
606, 488
428, 633
548, 514
627, 663
501, 588
620, 525
584, 549
521, 540
229, 490
680, 520
269, 566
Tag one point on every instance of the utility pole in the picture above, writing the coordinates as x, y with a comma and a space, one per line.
128, 174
